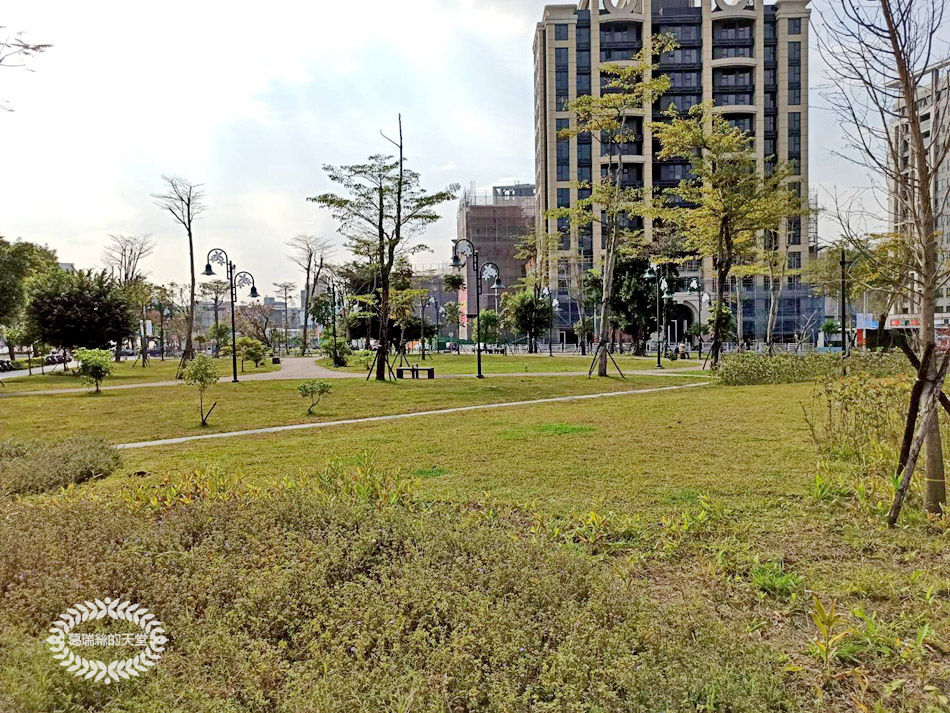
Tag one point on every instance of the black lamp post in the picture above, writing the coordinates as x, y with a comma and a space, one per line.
654, 273
458, 263
439, 314
235, 280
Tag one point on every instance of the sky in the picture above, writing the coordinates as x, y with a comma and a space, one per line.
251, 99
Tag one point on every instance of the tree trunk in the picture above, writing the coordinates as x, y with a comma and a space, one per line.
189, 348
306, 307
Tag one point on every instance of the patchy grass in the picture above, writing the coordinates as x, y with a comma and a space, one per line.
531, 363
126, 372
149, 413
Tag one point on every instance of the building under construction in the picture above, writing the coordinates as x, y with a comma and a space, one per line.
493, 220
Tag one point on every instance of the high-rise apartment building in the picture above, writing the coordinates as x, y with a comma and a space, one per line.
747, 57
933, 103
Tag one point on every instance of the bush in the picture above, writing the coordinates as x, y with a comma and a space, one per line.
336, 593
251, 350
314, 390
750, 368
338, 351
94, 366
38, 466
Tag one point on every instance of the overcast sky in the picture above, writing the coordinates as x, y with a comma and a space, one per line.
251, 99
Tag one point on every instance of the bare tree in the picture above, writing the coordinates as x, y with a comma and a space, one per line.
15, 53
885, 89
258, 321
311, 254
216, 291
185, 201
123, 255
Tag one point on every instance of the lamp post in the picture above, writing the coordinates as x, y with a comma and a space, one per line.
434, 303
235, 279
479, 273
336, 347
654, 273
546, 292
439, 315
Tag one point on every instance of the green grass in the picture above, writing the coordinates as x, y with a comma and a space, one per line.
151, 413
126, 372
695, 507
534, 363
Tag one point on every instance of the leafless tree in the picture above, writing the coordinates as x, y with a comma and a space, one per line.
258, 321
216, 291
123, 255
16, 53
185, 201
886, 87
285, 289
311, 254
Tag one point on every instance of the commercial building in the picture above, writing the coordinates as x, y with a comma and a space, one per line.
748, 58
494, 221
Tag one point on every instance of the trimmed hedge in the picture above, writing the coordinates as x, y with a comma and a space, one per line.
749, 368
39, 466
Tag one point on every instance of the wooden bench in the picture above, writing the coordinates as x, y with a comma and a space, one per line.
414, 372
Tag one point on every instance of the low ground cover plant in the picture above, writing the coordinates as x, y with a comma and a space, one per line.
753, 368
342, 592
37, 466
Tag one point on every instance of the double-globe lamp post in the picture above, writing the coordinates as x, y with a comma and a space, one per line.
235, 279
661, 285
457, 263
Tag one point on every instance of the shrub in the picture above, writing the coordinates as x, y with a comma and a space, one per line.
751, 368
251, 350
94, 365
202, 373
285, 600
314, 390
38, 466
337, 350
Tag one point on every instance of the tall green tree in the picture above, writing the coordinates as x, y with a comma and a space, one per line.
723, 207
382, 209
18, 262
527, 313
78, 309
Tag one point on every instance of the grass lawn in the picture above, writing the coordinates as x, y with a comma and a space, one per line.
535, 363
644, 553
150, 413
126, 372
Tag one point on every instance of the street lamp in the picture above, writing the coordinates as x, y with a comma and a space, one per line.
235, 280
654, 273
439, 315
480, 274
434, 303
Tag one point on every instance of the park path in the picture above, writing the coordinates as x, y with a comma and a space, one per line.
300, 368
401, 416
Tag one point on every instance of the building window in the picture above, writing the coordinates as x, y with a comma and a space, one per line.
769, 30
794, 97
560, 57
794, 26
681, 56
724, 52
583, 84
583, 59
770, 54
584, 174
583, 36
564, 172
795, 52
795, 238
560, 32
563, 197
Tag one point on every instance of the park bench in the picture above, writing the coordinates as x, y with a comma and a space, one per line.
414, 372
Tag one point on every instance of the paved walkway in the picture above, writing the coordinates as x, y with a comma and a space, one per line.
300, 368
401, 416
